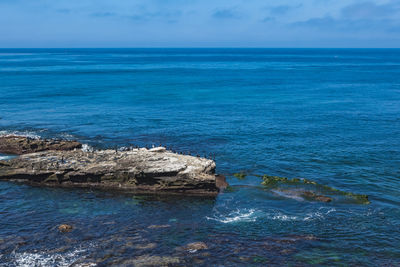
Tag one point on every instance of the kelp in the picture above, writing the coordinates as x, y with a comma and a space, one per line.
273, 181
240, 175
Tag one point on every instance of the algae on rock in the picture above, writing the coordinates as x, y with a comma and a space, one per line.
274, 181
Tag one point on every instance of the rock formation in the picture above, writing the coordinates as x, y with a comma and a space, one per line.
138, 170
18, 145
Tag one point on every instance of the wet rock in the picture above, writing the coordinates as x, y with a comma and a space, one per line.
19, 145
220, 181
136, 170
64, 228
276, 181
148, 260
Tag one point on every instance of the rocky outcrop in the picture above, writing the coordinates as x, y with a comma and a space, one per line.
138, 170
18, 145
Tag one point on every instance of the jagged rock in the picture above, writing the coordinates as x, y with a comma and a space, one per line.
65, 228
18, 145
137, 170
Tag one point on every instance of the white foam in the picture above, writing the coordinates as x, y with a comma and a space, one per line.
29, 134
284, 217
245, 215
45, 259
87, 148
67, 136
251, 215
317, 215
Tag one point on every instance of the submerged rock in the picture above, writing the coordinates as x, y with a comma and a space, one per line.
314, 196
18, 145
276, 182
65, 228
146, 246
196, 246
137, 170
148, 260
156, 226
240, 175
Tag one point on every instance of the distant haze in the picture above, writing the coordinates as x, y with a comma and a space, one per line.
199, 23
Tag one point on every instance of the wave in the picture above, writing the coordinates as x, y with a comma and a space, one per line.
252, 215
245, 215
29, 134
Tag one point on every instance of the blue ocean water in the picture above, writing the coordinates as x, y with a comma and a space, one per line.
329, 115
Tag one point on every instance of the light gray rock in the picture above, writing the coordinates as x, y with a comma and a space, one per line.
138, 170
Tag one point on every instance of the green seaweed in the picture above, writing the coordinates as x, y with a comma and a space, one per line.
240, 175
273, 181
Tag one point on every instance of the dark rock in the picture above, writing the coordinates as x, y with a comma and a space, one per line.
220, 181
19, 145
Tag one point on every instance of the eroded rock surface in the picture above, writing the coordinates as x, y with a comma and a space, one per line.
18, 145
137, 170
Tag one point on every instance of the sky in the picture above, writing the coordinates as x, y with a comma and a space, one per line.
199, 23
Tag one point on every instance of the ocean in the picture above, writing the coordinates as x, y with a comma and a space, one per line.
328, 115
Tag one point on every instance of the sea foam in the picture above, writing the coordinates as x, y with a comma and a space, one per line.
29, 134
245, 215
50, 259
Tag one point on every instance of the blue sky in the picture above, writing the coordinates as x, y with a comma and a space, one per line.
199, 23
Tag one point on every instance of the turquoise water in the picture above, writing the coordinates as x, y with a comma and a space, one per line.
332, 116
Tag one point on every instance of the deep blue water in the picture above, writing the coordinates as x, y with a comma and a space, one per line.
329, 115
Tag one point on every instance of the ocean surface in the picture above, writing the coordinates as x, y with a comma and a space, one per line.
328, 115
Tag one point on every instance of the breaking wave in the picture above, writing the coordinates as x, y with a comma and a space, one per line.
87, 148
245, 215
50, 259
251, 215
29, 134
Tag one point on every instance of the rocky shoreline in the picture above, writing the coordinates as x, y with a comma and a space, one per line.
60, 163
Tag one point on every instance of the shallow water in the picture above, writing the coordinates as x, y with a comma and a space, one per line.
332, 116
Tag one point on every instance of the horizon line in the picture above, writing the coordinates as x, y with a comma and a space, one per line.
194, 47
